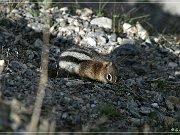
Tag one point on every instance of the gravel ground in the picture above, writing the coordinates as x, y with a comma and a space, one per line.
146, 98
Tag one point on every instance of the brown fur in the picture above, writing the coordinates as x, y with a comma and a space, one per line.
96, 69
90, 69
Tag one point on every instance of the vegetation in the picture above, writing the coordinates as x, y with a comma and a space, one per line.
108, 110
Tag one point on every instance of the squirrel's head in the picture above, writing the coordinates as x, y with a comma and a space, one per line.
110, 73
102, 71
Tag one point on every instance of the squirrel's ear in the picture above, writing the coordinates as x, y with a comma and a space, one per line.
109, 64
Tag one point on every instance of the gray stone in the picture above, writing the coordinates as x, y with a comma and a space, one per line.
171, 78
14, 11
10, 82
90, 41
136, 121
38, 27
102, 22
163, 50
172, 64
126, 41
130, 82
126, 49
85, 24
140, 70
155, 105
15, 65
38, 43
93, 105
177, 74
132, 106
64, 115
169, 105
63, 23
76, 23
145, 110
28, 15
156, 96
55, 50
101, 40
112, 37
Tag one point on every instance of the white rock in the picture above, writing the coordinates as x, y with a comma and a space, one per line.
36, 26
64, 29
70, 20
171, 78
129, 29
78, 11
126, 26
59, 20
76, 29
76, 23
64, 9
101, 40
14, 11
155, 105
84, 18
52, 29
119, 40
2, 62
93, 105
81, 32
157, 39
59, 34
177, 52
86, 12
109, 49
77, 39
177, 74
64, 115
148, 40
54, 10
69, 32
142, 33
90, 41
128, 41
18, 15
102, 22
42, 10
28, 15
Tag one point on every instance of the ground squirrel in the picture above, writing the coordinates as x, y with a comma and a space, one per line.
88, 63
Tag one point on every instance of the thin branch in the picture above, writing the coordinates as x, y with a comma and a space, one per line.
44, 74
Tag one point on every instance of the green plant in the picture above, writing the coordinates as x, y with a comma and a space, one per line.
34, 13
126, 17
158, 83
12, 4
107, 110
102, 5
77, 4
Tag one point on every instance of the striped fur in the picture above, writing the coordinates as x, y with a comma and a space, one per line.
87, 63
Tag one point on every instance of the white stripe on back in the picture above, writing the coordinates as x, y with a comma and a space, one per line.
77, 55
69, 66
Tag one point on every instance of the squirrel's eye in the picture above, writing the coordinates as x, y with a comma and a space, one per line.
109, 77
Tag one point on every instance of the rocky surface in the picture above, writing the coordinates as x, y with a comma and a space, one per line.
146, 96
